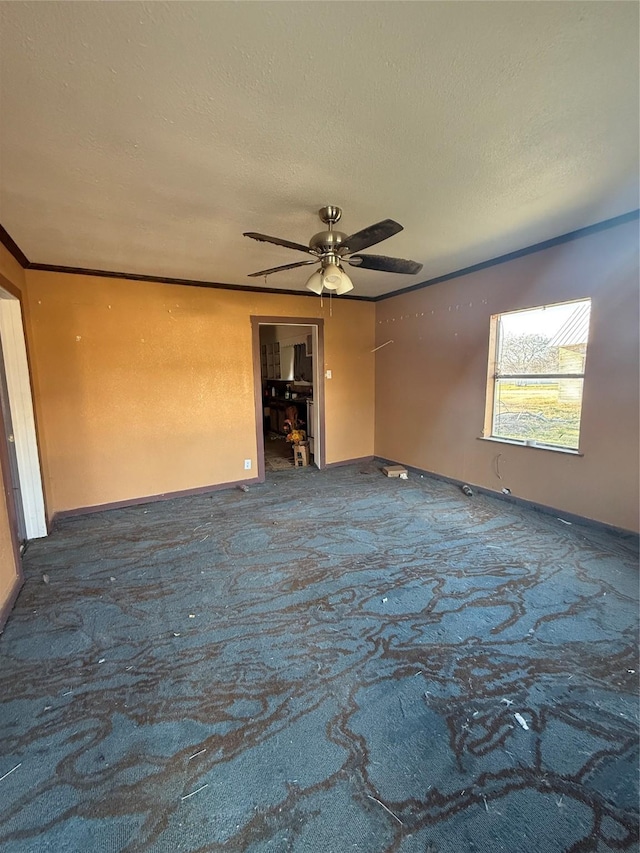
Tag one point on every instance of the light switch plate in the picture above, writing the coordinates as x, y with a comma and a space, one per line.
327, 374
247, 464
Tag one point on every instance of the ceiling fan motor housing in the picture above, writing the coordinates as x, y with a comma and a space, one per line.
327, 242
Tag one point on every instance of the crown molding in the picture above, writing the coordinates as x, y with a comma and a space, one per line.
12, 247
9, 243
216, 285
519, 253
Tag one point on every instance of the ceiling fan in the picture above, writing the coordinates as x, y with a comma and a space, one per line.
331, 249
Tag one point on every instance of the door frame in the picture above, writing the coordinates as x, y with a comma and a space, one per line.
18, 377
10, 442
5, 467
317, 330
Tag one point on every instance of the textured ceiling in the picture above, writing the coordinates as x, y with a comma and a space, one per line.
146, 137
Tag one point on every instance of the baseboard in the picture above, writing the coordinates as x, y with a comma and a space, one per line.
7, 607
361, 460
165, 496
570, 517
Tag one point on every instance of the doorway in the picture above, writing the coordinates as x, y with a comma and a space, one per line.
288, 355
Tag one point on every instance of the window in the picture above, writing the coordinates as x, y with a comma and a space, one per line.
536, 373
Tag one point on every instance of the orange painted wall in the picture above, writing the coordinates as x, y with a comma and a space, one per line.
431, 382
145, 388
11, 279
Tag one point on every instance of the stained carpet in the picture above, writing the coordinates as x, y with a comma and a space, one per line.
332, 661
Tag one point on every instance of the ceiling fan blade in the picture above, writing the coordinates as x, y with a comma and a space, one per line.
384, 264
278, 269
277, 240
371, 235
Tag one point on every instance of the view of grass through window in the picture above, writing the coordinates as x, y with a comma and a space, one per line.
539, 374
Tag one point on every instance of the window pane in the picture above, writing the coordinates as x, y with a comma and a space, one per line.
542, 410
544, 340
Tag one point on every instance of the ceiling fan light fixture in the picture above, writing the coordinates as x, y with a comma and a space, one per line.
345, 285
331, 277
315, 282
336, 280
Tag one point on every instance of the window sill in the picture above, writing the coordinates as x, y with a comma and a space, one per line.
569, 451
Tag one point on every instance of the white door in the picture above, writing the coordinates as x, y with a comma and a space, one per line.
29, 489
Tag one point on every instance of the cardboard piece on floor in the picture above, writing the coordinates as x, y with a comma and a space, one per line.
394, 471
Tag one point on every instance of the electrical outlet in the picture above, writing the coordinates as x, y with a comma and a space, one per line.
327, 374
247, 464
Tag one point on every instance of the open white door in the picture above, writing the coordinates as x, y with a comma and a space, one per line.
21, 405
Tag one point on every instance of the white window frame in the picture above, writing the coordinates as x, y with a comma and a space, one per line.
493, 376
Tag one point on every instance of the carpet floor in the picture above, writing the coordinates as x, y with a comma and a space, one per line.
278, 454
332, 661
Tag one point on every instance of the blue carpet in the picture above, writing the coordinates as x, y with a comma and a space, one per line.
332, 661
